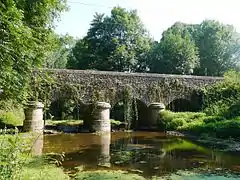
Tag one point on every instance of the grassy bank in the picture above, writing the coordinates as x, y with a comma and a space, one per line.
202, 124
17, 160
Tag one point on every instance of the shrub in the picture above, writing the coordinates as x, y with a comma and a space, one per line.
233, 111
12, 148
174, 121
17, 163
213, 119
14, 117
218, 98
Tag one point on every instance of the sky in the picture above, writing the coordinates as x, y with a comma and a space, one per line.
157, 15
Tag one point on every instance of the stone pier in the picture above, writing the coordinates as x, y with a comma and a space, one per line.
33, 117
154, 110
101, 117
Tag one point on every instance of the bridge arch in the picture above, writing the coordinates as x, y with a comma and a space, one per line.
138, 112
192, 102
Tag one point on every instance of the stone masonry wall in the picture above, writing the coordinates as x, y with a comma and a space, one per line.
146, 87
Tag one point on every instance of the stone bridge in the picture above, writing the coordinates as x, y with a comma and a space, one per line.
146, 88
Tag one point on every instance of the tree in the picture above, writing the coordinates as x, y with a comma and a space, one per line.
79, 57
118, 42
24, 37
218, 46
40, 17
176, 53
58, 57
15, 52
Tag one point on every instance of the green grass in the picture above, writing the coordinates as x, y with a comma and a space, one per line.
17, 161
14, 117
116, 122
44, 172
174, 121
200, 123
74, 122
64, 122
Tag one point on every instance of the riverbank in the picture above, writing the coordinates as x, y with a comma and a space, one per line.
212, 131
226, 145
200, 124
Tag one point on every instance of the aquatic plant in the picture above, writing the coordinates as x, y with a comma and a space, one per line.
107, 175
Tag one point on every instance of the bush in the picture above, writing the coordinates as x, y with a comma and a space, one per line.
14, 117
213, 119
220, 129
219, 99
233, 111
174, 121
199, 123
17, 163
12, 149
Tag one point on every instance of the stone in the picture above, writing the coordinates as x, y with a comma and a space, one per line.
155, 109
33, 117
142, 83
101, 117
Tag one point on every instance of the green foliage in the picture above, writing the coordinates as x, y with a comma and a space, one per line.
129, 106
199, 123
11, 113
174, 121
108, 175
58, 56
115, 122
223, 99
221, 129
218, 46
14, 117
25, 32
64, 122
16, 57
118, 42
175, 54
12, 160
209, 48
221, 107
43, 172
17, 162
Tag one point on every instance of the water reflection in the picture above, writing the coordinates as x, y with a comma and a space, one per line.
147, 152
104, 157
37, 147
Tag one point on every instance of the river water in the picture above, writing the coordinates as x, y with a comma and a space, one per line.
146, 153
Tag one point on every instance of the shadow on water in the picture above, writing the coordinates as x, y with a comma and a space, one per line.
147, 153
